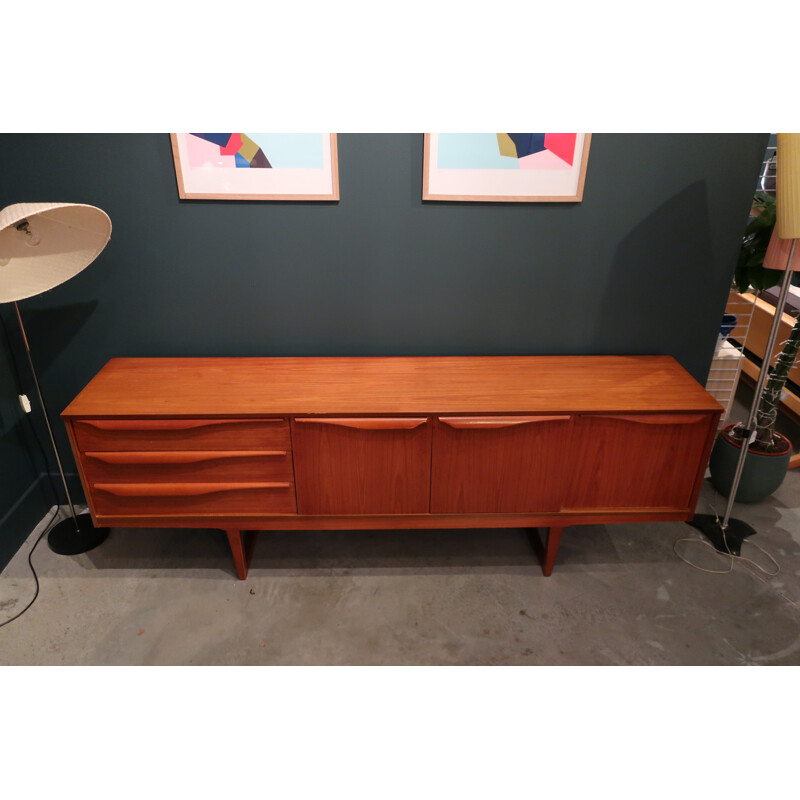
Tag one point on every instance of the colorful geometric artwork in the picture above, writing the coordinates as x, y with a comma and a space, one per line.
474, 151
511, 167
259, 150
506, 150
256, 166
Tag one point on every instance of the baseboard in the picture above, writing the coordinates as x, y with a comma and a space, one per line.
27, 512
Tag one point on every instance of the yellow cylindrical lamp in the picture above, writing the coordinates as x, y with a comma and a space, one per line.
788, 186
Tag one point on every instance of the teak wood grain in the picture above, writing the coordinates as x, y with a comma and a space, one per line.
174, 434
363, 470
191, 499
366, 424
442, 442
511, 465
483, 423
156, 466
630, 462
338, 522
371, 386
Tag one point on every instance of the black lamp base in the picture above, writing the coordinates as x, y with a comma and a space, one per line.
66, 541
736, 532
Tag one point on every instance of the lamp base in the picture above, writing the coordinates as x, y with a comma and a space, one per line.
736, 532
66, 541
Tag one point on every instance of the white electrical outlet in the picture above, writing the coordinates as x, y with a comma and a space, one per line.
25, 403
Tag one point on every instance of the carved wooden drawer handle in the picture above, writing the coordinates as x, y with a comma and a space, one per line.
165, 425
180, 489
368, 423
177, 457
654, 419
473, 423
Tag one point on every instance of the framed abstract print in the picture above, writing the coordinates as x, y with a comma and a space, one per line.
256, 166
505, 167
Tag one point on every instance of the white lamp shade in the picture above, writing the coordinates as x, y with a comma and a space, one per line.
60, 240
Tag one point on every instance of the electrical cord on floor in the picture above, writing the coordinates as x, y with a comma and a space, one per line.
33, 571
47, 472
733, 558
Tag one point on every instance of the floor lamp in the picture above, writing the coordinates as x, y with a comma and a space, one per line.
727, 535
41, 246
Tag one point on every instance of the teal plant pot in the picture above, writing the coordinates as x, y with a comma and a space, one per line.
763, 473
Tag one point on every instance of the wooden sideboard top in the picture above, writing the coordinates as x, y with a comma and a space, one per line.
388, 385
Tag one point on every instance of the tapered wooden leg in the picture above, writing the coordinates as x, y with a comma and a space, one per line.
237, 548
553, 540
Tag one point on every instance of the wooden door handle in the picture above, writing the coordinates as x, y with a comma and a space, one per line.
481, 423
164, 424
180, 489
654, 419
367, 423
177, 456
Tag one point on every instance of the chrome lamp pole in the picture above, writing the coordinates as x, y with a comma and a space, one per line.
41, 246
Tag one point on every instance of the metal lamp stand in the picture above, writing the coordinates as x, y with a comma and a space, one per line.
727, 535
75, 534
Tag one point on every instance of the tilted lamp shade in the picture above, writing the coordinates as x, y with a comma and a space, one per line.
777, 254
44, 244
788, 187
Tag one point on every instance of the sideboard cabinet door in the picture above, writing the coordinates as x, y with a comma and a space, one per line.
362, 465
499, 465
636, 460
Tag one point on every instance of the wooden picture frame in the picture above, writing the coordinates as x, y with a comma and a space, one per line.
256, 166
503, 167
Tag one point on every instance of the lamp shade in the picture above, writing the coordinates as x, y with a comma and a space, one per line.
788, 186
42, 245
778, 251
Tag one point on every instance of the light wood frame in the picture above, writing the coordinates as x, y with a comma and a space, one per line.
506, 198
185, 194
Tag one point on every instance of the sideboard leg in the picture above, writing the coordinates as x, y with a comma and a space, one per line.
237, 548
553, 540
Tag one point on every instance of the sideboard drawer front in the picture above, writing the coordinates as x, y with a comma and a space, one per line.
182, 434
636, 461
499, 465
181, 466
364, 465
192, 499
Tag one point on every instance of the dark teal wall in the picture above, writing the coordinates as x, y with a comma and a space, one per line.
642, 265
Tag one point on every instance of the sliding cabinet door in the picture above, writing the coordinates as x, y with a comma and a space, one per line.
497, 465
362, 465
637, 460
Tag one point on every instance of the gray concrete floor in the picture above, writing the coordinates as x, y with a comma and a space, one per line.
619, 594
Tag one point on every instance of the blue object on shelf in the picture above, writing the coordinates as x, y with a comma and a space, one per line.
728, 324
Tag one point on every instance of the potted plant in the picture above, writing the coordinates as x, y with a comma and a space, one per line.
769, 451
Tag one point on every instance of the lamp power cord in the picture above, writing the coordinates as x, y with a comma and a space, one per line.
732, 557
47, 472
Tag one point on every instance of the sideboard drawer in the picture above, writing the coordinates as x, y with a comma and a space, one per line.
182, 466
152, 499
182, 434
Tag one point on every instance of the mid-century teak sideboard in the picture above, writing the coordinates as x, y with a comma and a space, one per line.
247, 444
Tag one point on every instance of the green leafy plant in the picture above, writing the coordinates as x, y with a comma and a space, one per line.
750, 272
750, 266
